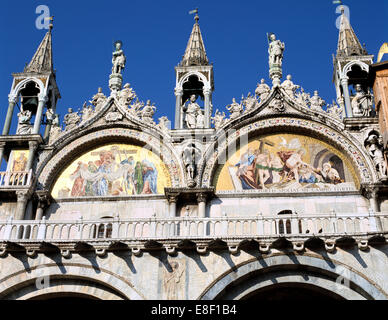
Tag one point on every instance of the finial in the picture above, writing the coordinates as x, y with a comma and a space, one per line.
51, 23
196, 18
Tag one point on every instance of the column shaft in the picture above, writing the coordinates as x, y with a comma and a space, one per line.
38, 117
8, 119
31, 154
348, 106
178, 106
39, 213
207, 110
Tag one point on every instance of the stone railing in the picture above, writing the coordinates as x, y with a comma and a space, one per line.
16, 179
145, 229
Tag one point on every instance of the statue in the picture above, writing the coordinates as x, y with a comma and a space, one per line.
148, 112
191, 155
289, 87
303, 97
164, 124
218, 119
49, 115
24, 125
118, 58
72, 119
56, 130
262, 90
250, 103
375, 149
135, 108
87, 112
361, 105
275, 50
235, 109
98, 100
193, 114
126, 95
335, 110
316, 102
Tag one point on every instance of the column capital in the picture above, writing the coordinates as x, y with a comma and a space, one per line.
12, 98
178, 91
33, 145
44, 198
344, 80
207, 91
172, 198
42, 97
201, 197
22, 195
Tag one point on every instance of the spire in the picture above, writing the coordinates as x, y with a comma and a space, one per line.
348, 43
195, 53
42, 61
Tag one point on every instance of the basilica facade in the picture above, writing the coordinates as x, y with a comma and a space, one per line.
280, 196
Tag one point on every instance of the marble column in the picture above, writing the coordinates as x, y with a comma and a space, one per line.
201, 198
2, 146
8, 119
178, 107
22, 198
39, 212
172, 200
374, 203
345, 90
31, 154
207, 93
39, 113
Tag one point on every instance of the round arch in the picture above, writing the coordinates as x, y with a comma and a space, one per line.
200, 76
286, 124
326, 277
50, 280
53, 164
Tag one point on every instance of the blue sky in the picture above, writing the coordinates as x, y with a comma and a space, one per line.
155, 34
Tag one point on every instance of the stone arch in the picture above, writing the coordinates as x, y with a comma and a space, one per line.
21, 85
78, 279
200, 76
348, 67
307, 270
52, 165
351, 148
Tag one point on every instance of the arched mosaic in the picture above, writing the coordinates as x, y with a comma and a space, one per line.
286, 161
113, 170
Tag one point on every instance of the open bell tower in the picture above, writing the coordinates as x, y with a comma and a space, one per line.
194, 76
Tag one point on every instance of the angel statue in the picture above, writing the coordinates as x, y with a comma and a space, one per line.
118, 58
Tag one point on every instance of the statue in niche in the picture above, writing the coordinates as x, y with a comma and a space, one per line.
118, 58
375, 149
126, 95
98, 100
263, 90
148, 112
235, 109
275, 50
24, 125
193, 114
316, 102
289, 86
72, 119
361, 103
191, 155
218, 119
